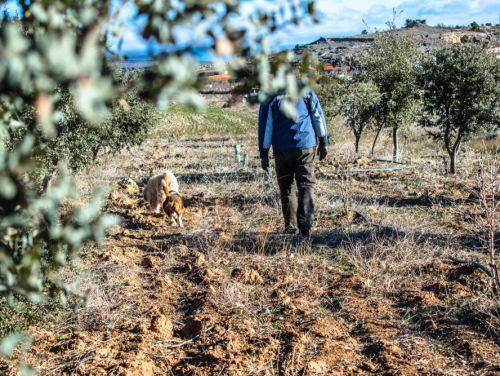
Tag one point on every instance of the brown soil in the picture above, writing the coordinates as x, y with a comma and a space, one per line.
230, 296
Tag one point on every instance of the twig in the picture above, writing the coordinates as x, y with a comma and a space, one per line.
377, 225
366, 219
476, 264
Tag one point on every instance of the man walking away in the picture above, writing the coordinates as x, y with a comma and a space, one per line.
295, 143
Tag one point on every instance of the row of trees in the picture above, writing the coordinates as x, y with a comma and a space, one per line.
453, 92
410, 23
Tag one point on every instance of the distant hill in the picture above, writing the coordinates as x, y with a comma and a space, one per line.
337, 50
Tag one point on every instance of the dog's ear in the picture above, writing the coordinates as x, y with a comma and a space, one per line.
186, 203
182, 203
177, 204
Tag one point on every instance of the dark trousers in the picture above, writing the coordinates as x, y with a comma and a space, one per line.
296, 200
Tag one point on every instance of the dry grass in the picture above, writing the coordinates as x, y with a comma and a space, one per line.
389, 265
361, 300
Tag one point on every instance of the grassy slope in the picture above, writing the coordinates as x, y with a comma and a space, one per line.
183, 121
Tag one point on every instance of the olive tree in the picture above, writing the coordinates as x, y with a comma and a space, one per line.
355, 100
474, 26
409, 23
461, 91
392, 64
357, 103
63, 46
328, 89
78, 143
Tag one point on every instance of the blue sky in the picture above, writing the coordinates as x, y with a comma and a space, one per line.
347, 17
343, 17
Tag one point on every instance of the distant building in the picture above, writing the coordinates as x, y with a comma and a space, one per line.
341, 72
219, 77
215, 82
328, 68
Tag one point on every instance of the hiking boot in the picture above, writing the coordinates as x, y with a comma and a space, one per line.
305, 235
290, 231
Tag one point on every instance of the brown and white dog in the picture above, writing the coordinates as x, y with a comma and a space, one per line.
174, 207
163, 191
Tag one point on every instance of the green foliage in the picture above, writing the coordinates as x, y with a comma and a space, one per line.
9, 344
78, 142
356, 100
63, 44
358, 105
474, 26
364, 32
328, 91
18, 316
409, 23
35, 239
172, 74
309, 60
461, 94
392, 66
129, 122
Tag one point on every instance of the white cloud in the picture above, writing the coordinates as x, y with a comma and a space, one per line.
339, 17
347, 17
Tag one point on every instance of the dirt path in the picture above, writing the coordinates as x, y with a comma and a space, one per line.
229, 296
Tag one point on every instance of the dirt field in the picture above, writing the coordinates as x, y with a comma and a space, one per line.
230, 295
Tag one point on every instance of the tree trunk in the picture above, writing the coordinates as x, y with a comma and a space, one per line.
48, 178
452, 161
452, 152
95, 152
356, 143
376, 138
395, 145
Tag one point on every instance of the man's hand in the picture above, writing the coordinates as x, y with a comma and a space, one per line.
322, 152
264, 159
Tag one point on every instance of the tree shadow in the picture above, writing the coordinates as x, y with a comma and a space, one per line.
129, 222
240, 201
272, 242
401, 202
423, 200
254, 242
241, 242
218, 177
339, 237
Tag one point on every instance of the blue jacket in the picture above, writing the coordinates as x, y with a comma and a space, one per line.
283, 133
